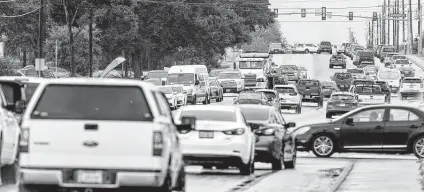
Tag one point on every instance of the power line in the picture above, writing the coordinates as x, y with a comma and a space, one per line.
21, 15
7, 1
348, 7
321, 21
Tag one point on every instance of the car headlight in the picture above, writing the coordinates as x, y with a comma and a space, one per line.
302, 130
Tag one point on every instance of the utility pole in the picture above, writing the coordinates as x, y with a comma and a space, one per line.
372, 33
378, 31
394, 22
411, 34
419, 27
403, 21
90, 43
383, 25
40, 35
388, 22
397, 24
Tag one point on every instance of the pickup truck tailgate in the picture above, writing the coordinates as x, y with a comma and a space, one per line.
304, 90
372, 98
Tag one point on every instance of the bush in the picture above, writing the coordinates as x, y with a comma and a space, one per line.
6, 69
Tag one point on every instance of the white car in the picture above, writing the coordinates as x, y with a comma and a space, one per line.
231, 81
289, 97
84, 133
181, 95
340, 49
410, 86
9, 138
222, 138
311, 48
392, 76
368, 94
171, 96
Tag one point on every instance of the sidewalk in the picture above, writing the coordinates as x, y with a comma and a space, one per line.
418, 60
383, 176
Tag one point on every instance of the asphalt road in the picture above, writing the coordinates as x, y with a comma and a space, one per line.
307, 173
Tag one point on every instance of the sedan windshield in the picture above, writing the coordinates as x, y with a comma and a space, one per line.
210, 115
229, 76
180, 78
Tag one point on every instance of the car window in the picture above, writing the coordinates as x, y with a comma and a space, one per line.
411, 81
92, 102
160, 107
165, 106
283, 122
270, 95
371, 115
285, 89
252, 114
9, 93
30, 89
210, 115
402, 115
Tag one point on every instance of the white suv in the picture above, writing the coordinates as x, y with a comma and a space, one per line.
411, 86
91, 134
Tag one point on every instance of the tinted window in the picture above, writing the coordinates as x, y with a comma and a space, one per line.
8, 91
229, 76
252, 95
401, 61
92, 102
343, 75
342, 97
412, 81
355, 71
285, 89
365, 54
252, 114
389, 49
326, 43
399, 57
210, 115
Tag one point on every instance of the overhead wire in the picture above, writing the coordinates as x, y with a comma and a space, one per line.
21, 15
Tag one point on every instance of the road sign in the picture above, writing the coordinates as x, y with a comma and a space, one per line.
374, 16
303, 13
40, 64
350, 16
329, 15
324, 13
317, 12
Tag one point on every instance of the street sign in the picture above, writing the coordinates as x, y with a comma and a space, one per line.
350, 16
317, 12
329, 15
40, 64
324, 13
374, 16
303, 13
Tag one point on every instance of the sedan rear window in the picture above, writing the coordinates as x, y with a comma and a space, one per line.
210, 115
401, 61
254, 114
92, 102
412, 81
257, 96
285, 89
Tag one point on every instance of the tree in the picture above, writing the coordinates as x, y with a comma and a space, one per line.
260, 39
6, 68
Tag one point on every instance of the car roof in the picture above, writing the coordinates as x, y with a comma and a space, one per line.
257, 107
288, 86
227, 108
342, 93
265, 90
99, 81
25, 79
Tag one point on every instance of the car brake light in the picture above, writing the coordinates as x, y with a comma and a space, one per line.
157, 143
24, 140
239, 131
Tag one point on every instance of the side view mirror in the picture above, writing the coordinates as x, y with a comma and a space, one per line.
187, 123
185, 92
349, 121
197, 82
289, 125
20, 106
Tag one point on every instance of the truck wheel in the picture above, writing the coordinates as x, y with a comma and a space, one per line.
306, 51
181, 181
194, 100
331, 66
299, 109
328, 115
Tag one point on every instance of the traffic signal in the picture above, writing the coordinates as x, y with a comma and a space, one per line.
324, 13
374, 16
303, 13
350, 16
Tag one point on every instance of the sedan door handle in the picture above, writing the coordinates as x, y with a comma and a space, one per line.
413, 126
378, 127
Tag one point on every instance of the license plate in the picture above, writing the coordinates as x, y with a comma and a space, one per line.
206, 134
90, 177
342, 104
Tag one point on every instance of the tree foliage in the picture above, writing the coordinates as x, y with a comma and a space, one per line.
260, 39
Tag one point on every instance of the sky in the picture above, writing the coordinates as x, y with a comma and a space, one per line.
312, 29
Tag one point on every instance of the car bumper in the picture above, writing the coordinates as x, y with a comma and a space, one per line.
410, 91
232, 89
325, 50
119, 178
288, 105
201, 150
259, 85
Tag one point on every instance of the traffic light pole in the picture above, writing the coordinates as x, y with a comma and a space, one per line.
388, 22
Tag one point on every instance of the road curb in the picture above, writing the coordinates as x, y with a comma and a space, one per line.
342, 177
415, 62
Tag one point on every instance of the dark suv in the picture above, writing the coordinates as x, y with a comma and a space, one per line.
325, 46
365, 58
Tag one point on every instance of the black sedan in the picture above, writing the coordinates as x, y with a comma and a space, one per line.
377, 129
273, 142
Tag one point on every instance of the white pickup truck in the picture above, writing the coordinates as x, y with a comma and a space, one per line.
368, 94
411, 86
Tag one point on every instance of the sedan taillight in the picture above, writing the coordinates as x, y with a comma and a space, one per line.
239, 131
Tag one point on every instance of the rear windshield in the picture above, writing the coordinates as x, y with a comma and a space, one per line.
401, 61
309, 83
270, 94
343, 75
252, 114
210, 115
252, 95
285, 89
399, 57
411, 81
355, 71
229, 76
366, 54
389, 49
368, 89
92, 102
342, 97
30, 89
326, 43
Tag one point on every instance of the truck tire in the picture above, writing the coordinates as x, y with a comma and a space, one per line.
331, 66
328, 115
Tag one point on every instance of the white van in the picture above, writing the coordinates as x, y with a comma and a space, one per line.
392, 76
194, 79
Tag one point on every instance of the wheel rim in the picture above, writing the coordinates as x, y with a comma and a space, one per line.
323, 145
419, 147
